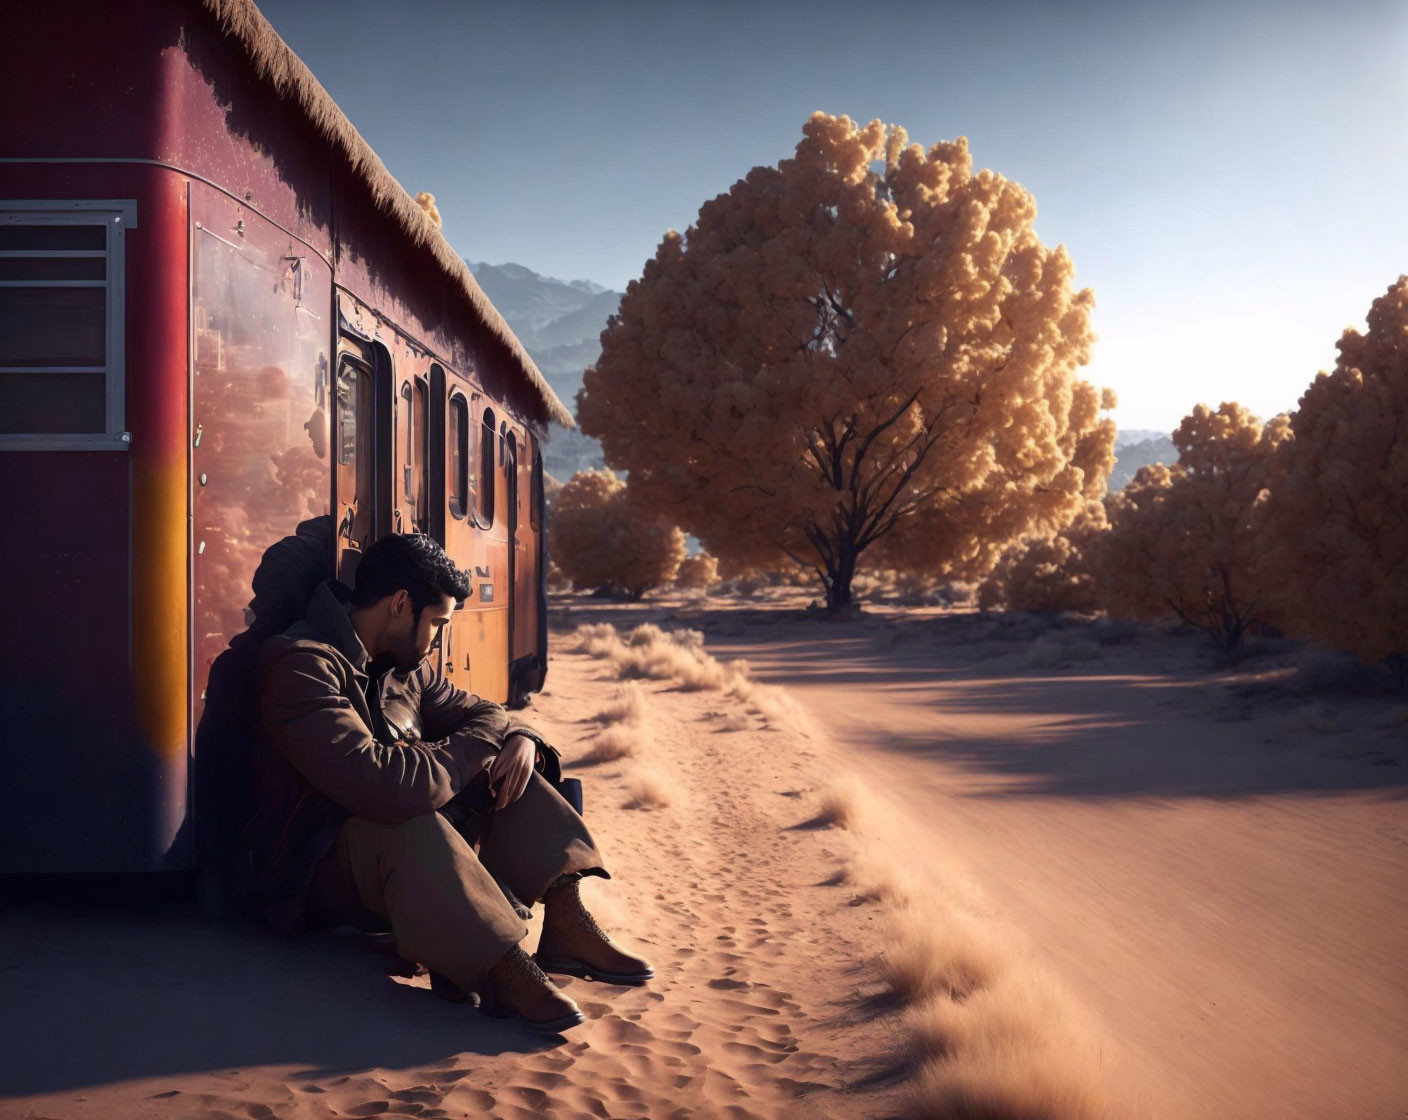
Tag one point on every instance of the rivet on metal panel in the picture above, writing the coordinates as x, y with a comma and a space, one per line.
239, 227
199, 226
248, 194
202, 478
201, 550
126, 437
199, 429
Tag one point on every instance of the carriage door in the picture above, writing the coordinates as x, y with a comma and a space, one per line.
356, 459
527, 553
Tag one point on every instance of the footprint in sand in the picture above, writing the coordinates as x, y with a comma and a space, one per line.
545, 1080
677, 1021
480, 1100
531, 1098
418, 1094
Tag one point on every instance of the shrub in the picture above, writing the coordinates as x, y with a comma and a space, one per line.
602, 541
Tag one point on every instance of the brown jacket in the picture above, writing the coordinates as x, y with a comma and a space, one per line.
334, 742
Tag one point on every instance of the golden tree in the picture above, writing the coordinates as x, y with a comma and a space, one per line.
600, 540
866, 344
1339, 515
1186, 540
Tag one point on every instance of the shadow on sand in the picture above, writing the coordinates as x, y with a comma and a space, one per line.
1145, 717
96, 989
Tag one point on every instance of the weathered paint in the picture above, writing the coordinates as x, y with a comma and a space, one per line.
157, 407
148, 101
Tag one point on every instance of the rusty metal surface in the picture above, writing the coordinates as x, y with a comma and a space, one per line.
261, 455
152, 565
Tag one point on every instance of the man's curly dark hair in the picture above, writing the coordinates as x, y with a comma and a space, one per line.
410, 562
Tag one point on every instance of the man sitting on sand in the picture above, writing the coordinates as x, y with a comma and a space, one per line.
361, 742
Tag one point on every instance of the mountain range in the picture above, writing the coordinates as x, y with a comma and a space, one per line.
560, 322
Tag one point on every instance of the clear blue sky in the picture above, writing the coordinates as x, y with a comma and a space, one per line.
1229, 178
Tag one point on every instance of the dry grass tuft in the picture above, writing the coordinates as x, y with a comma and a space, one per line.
1010, 1013
841, 807
775, 705
648, 790
985, 1082
991, 1037
678, 656
629, 706
596, 640
620, 741
939, 951
871, 880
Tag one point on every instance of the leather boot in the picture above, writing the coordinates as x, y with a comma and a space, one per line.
572, 943
519, 989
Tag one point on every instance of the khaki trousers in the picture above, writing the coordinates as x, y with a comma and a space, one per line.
440, 898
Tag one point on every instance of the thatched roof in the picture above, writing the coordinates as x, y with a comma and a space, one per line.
274, 62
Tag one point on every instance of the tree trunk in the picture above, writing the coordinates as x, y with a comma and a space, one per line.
839, 574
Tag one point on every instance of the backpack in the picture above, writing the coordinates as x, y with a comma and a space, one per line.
224, 789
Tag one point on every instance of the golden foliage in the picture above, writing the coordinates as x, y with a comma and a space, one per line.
426, 201
1049, 573
600, 539
1339, 513
697, 572
1185, 540
866, 345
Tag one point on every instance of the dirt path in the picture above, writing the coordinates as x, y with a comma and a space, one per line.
1222, 880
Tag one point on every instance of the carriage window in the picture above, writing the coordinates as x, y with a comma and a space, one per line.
484, 492
346, 413
61, 324
408, 436
459, 456
355, 400
535, 495
420, 430
413, 435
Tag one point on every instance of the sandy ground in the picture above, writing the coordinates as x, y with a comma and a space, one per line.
1210, 863
1212, 860
141, 1011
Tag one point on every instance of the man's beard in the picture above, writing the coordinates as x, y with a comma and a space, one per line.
407, 660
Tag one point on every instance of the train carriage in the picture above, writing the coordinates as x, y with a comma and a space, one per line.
221, 322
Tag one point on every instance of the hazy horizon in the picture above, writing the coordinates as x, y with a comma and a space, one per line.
1224, 177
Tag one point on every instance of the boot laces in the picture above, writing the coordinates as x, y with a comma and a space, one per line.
525, 967
577, 913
